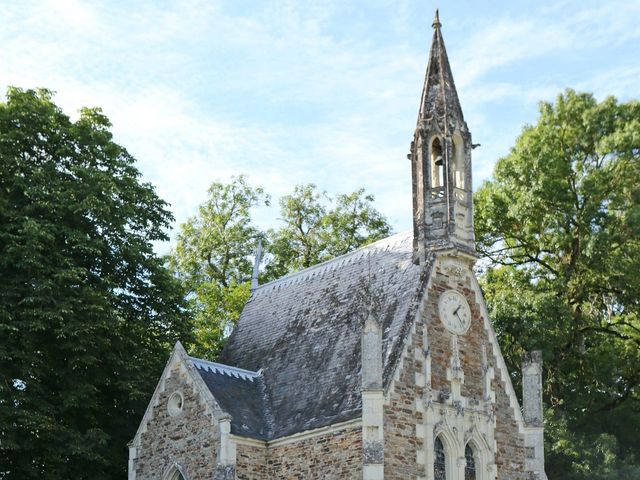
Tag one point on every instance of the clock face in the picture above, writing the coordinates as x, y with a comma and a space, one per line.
454, 312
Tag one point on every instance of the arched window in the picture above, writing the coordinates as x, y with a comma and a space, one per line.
470, 465
439, 461
174, 473
458, 161
178, 476
437, 164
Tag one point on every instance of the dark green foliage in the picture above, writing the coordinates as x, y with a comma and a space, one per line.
560, 222
299, 243
88, 313
213, 260
214, 252
313, 231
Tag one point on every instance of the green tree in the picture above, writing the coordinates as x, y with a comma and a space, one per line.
353, 222
314, 231
300, 241
560, 223
88, 313
214, 252
213, 260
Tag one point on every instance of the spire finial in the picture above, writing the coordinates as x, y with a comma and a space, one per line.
436, 20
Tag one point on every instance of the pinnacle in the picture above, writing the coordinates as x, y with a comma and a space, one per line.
439, 91
436, 21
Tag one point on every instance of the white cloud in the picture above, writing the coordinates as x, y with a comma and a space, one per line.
287, 93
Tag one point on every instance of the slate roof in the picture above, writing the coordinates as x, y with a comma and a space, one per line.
303, 333
240, 393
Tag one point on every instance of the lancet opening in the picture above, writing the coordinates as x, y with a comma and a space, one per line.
437, 163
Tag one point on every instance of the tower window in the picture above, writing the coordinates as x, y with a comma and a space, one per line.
458, 161
439, 463
470, 465
437, 163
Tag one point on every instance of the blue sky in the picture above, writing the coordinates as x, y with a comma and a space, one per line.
320, 91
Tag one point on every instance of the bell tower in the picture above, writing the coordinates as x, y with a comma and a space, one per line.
441, 163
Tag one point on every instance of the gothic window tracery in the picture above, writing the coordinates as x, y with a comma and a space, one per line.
174, 474
470, 465
439, 461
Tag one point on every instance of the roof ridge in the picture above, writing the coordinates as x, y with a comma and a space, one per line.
312, 269
226, 369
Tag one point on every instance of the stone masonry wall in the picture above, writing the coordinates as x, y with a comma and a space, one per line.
251, 462
402, 445
469, 344
333, 456
510, 457
188, 438
510, 453
400, 419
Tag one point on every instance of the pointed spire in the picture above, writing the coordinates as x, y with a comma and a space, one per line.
441, 162
439, 97
436, 20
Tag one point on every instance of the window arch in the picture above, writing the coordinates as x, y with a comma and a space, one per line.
439, 460
174, 473
470, 463
458, 161
437, 163
177, 476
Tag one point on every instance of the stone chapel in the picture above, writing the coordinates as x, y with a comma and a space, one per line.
379, 364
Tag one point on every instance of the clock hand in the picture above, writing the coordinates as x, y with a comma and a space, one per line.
459, 319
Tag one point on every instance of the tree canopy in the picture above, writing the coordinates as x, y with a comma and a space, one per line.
88, 312
214, 249
212, 258
560, 223
316, 227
